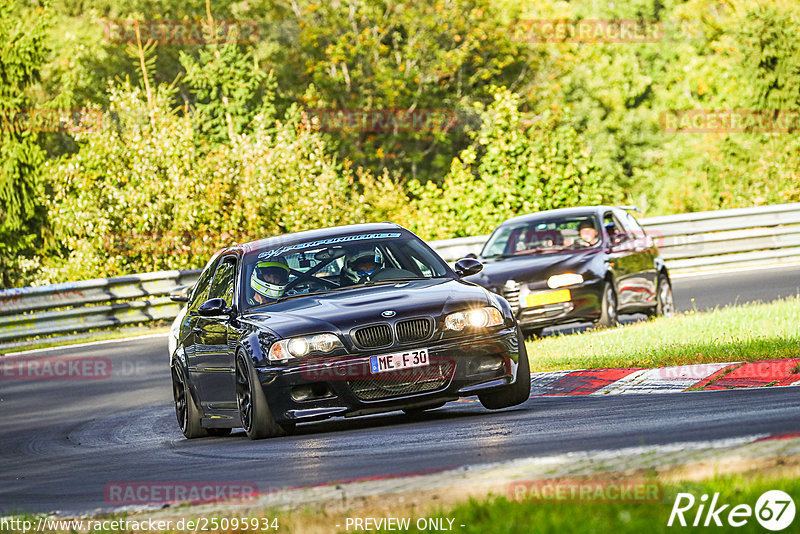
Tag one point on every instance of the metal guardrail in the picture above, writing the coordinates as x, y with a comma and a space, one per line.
689, 242
88, 305
725, 238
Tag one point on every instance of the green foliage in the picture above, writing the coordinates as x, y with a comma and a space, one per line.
744, 169
224, 150
226, 83
406, 55
511, 169
23, 52
141, 196
764, 168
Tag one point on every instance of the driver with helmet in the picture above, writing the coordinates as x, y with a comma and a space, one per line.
268, 280
360, 265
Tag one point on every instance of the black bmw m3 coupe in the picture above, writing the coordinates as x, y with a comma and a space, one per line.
342, 321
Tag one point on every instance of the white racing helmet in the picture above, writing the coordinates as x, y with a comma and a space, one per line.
269, 278
362, 264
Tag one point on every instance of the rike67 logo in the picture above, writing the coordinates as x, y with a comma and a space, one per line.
774, 510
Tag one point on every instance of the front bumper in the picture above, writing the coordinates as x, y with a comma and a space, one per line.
584, 304
316, 389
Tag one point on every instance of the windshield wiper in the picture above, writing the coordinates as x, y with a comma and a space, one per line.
329, 290
340, 288
289, 297
401, 279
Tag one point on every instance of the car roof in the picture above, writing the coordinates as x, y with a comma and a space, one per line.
561, 212
311, 235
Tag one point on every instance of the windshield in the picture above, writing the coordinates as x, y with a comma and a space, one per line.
296, 268
543, 236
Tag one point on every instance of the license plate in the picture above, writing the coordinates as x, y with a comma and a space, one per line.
398, 360
550, 297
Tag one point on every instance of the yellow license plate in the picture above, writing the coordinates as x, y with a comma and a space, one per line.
551, 297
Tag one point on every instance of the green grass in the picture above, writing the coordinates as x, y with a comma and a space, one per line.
501, 515
747, 332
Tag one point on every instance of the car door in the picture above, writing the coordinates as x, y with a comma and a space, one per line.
186, 336
214, 360
645, 276
621, 258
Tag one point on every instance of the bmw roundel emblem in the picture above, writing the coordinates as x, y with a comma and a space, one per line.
389, 313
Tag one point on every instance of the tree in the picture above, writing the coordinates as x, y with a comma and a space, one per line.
23, 53
390, 58
511, 169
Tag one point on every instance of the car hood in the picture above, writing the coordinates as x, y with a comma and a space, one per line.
340, 311
496, 272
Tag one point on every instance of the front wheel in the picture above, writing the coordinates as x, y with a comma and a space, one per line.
254, 412
665, 304
516, 393
534, 333
608, 311
187, 412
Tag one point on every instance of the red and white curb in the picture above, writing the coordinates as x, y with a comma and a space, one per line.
706, 376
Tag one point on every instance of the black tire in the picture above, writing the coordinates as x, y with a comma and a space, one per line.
608, 308
665, 303
515, 393
188, 414
254, 412
533, 332
219, 432
414, 412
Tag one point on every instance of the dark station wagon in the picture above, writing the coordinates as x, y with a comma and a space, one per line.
575, 264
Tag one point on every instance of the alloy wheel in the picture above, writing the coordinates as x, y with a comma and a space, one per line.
244, 397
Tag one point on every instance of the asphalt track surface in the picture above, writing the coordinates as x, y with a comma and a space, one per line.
64, 441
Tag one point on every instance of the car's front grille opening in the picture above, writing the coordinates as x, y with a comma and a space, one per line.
371, 337
313, 391
546, 312
414, 330
404, 382
511, 293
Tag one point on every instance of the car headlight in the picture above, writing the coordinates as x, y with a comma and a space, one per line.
297, 347
477, 318
566, 279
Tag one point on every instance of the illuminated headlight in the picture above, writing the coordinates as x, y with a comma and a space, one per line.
297, 347
566, 279
478, 318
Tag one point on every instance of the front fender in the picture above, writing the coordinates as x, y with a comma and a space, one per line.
256, 342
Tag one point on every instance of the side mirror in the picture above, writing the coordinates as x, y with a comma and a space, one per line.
180, 293
471, 255
468, 267
618, 239
213, 307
